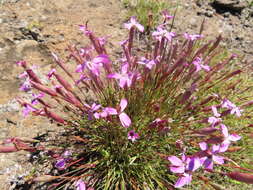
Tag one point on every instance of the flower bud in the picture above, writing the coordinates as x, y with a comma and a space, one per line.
243, 177
45, 178
43, 89
54, 116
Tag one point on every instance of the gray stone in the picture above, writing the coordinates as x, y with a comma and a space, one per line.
11, 106
226, 14
209, 13
9, 1
26, 44
232, 4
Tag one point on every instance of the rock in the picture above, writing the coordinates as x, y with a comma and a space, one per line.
11, 106
226, 14
209, 13
201, 3
231, 5
26, 44
9, 1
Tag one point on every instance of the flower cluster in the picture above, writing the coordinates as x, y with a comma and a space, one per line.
207, 156
140, 104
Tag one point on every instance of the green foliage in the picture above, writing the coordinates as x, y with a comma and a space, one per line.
250, 3
33, 25
168, 102
143, 8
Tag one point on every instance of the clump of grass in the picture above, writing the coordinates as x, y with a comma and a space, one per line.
250, 2
159, 117
146, 11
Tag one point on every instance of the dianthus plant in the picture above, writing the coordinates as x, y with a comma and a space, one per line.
154, 117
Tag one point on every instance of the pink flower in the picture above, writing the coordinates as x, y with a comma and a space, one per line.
26, 86
60, 164
148, 63
133, 23
80, 68
228, 138
184, 179
94, 107
62, 161
215, 112
51, 72
184, 167
213, 121
166, 15
85, 30
94, 68
27, 109
132, 136
161, 32
160, 125
86, 51
199, 66
95, 65
106, 112
104, 60
23, 75
208, 161
125, 78
80, 185
102, 40
36, 97
123, 117
82, 78
21, 63
192, 37
124, 42
232, 107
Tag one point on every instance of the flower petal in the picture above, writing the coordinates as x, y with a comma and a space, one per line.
184, 180
208, 164
177, 169
132, 136
194, 164
205, 67
215, 111
234, 137
111, 111
101, 59
215, 148
224, 130
123, 82
114, 76
218, 159
175, 161
123, 104
224, 146
124, 68
139, 27
124, 119
60, 164
203, 146
80, 185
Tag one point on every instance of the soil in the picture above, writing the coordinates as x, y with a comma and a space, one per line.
233, 19
30, 30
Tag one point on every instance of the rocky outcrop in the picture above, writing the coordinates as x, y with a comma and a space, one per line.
232, 6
